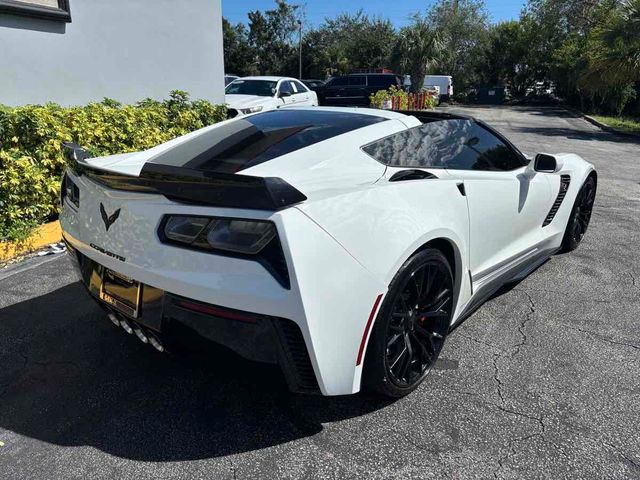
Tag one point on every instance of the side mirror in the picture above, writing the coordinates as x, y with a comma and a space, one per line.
284, 94
545, 163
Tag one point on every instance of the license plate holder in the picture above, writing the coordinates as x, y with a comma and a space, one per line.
122, 293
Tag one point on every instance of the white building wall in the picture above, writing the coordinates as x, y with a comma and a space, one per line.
123, 49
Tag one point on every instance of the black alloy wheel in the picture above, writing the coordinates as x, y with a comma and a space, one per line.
412, 325
580, 216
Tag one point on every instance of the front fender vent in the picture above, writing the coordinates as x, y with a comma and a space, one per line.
565, 180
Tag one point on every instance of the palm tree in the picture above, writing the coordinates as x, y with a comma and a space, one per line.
615, 49
417, 50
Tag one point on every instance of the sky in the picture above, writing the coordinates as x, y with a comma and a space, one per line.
397, 11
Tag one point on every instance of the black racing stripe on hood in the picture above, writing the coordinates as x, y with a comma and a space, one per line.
246, 142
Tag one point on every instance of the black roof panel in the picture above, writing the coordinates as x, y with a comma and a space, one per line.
249, 141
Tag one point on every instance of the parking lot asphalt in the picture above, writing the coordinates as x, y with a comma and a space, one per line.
542, 382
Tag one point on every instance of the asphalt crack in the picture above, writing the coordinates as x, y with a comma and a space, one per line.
233, 469
605, 339
523, 324
502, 405
623, 454
496, 376
481, 342
502, 460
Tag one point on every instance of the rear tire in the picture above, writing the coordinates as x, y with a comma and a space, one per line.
580, 216
411, 326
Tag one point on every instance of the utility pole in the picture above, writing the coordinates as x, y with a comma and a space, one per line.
300, 50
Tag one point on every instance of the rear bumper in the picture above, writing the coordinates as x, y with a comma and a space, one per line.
257, 337
329, 298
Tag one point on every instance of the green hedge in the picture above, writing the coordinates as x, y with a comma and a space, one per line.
31, 153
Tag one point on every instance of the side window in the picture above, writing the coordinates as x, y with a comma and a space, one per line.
337, 82
357, 81
452, 144
300, 88
285, 87
382, 81
484, 151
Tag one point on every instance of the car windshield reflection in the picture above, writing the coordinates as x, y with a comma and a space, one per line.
260, 88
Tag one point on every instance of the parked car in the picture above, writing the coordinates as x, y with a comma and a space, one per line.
256, 94
355, 89
229, 78
314, 85
444, 82
342, 244
433, 91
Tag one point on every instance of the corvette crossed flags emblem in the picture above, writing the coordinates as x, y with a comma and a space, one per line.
108, 219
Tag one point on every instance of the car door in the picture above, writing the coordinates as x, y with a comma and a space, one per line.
334, 90
286, 94
301, 93
506, 206
356, 92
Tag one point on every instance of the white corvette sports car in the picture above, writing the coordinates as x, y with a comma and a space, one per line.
342, 244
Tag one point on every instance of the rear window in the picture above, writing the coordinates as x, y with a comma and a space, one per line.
246, 142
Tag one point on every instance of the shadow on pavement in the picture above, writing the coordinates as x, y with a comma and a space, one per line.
69, 377
593, 134
575, 134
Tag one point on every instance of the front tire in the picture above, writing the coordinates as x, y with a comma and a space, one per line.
411, 326
580, 216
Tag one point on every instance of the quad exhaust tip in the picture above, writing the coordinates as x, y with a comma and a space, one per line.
126, 326
144, 335
140, 334
114, 319
155, 343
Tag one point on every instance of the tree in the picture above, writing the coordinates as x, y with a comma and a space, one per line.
349, 42
462, 27
272, 36
238, 55
614, 47
512, 56
417, 50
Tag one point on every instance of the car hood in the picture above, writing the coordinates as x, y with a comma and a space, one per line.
246, 101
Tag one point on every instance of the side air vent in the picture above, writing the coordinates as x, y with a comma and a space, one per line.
411, 175
298, 356
564, 186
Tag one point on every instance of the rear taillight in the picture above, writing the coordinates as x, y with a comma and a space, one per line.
70, 191
63, 190
236, 237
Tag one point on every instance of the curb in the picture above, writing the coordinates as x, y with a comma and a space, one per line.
41, 237
601, 125
608, 128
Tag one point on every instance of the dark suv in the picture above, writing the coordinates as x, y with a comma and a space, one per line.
355, 89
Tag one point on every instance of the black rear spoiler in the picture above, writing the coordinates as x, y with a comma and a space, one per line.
193, 186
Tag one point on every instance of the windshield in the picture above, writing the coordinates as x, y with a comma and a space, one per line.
261, 88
